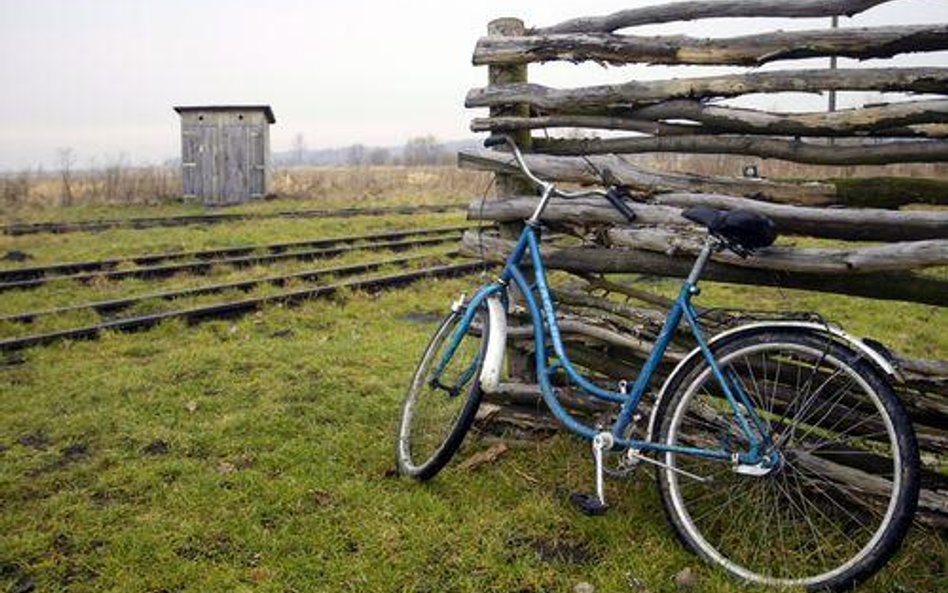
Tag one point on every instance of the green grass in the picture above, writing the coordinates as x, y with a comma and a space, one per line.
257, 454
46, 248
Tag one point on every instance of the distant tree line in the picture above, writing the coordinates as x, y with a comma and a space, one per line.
418, 151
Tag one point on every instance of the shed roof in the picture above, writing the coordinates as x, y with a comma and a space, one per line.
267, 111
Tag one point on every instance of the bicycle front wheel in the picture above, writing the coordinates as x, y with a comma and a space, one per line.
841, 498
443, 396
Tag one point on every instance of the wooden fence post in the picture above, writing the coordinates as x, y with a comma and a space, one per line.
520, 366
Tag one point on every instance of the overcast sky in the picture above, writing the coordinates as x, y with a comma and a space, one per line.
101, 76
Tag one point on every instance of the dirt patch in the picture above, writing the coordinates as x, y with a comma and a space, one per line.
155, 448
16, 256
67, 456
37, 440
554, 550
20, 581
74, 453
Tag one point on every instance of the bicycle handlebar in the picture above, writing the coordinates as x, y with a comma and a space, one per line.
614, 195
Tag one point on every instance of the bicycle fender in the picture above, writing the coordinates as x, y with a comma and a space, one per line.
496, 344
835, 333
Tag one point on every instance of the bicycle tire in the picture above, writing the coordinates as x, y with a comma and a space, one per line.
805, 510
426, 444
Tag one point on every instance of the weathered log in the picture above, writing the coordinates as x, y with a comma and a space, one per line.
586, 171
524, 405
890, 192
704, 9
932, 505
869, 120
616, 121
747, 50
852, 224
846, 224
640, 316
853, 260
862, 153
601, 334
900, 286
528, 395
602, 122
916, 80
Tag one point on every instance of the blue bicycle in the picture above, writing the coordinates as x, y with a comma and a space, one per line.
782, 453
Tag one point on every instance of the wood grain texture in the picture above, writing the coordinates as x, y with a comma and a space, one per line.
899, 286
867, 224
851, 260
795, 150
703, 9
586, 170
748, 50
636, 93
911, 119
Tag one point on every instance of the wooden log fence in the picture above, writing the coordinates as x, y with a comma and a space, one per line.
902, 252
705, 9
749, 50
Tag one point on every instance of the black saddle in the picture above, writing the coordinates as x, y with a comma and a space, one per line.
743, 231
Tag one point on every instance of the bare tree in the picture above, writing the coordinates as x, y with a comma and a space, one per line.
379, 156
423, 150
66, 160
356, 155
299, 149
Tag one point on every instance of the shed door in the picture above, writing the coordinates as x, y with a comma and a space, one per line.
235, 163
199, 149
258, 165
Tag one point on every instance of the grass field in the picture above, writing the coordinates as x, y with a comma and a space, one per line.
257, 454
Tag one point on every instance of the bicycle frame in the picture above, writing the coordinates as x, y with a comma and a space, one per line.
543, 311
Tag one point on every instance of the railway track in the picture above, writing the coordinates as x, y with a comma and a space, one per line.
422, 238
149, 259
106, 307
243, 306
172, 221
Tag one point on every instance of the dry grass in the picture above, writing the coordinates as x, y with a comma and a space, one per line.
409, 185
107, 186
31, 192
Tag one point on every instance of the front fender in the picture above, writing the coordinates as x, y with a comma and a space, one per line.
835, 333
496, 344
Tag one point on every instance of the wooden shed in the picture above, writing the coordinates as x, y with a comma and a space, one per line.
225, 152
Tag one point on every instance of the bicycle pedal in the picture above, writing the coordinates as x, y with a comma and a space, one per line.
588, 504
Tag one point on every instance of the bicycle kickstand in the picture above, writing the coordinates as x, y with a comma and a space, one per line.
595, 504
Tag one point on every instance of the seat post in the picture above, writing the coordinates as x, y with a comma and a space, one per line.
710, 246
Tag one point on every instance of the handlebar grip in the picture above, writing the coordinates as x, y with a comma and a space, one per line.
496, 140
615, 197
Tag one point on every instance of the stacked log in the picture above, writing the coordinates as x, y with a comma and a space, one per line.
884, 252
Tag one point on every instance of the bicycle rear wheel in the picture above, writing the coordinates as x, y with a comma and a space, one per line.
443, 396
841, 499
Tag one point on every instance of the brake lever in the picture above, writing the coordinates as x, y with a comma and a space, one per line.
617, 193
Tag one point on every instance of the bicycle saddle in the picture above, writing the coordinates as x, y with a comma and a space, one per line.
741, 228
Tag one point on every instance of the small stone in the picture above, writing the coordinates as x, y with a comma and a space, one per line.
584, 587
191, 406
686, 578
226, 467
